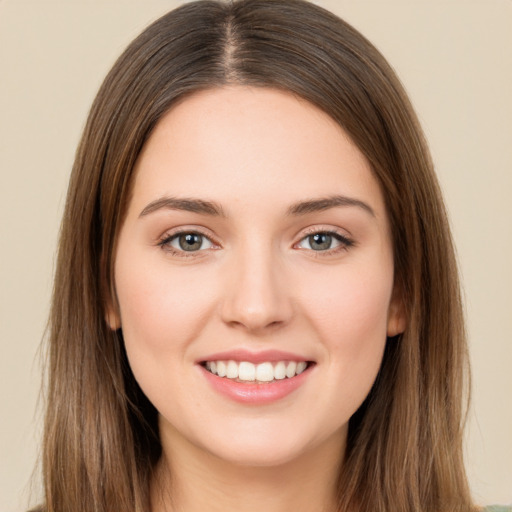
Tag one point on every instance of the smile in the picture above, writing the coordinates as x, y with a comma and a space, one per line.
245, 371
256, 378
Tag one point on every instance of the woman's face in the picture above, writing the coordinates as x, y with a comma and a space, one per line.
256, 243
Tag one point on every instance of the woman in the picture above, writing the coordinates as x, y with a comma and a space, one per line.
256, 300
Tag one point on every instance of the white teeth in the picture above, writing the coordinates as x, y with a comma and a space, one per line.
300, 367
246, 371
232, 370
221, 368
265, 372
249, 372
290, 369
280, 371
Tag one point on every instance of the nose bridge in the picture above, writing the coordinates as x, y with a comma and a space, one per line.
257, 296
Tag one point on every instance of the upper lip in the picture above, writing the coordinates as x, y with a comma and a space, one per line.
263, 356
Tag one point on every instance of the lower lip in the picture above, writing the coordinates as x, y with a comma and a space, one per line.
255, 393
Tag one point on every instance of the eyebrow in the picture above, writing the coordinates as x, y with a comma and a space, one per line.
214, 209
326, 203
185, 204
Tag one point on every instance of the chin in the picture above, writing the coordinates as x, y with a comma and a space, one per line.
266, 447
258, 455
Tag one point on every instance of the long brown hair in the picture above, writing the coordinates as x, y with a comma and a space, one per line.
101, 438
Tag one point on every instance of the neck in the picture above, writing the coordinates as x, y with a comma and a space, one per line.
189, 479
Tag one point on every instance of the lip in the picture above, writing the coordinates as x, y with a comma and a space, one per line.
271, 356
252, 393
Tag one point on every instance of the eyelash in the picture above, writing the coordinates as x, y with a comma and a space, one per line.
164, 243
345, 242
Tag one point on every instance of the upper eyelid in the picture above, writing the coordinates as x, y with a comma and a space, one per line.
304, 233
311, 230
164, 243
346, 240
337, 236
173, 232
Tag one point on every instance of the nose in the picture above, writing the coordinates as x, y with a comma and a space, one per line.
256, 296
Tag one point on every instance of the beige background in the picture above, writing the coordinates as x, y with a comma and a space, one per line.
455, 58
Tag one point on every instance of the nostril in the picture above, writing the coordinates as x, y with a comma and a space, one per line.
256, 301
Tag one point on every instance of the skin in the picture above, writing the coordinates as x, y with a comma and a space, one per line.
257, 282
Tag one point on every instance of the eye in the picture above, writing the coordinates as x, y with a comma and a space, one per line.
324, 241
187, 242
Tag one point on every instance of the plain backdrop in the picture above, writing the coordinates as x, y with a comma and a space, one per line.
455, 59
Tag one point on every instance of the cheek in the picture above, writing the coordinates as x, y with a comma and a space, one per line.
161, 313
160, 310
352, 302
351, 322
350, 316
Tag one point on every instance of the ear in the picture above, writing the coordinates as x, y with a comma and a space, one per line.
111, 307
112, 317
397, 320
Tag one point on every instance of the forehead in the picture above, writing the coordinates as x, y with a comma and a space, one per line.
243, 144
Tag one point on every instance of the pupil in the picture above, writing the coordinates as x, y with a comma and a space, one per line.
320, 241
190, 242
